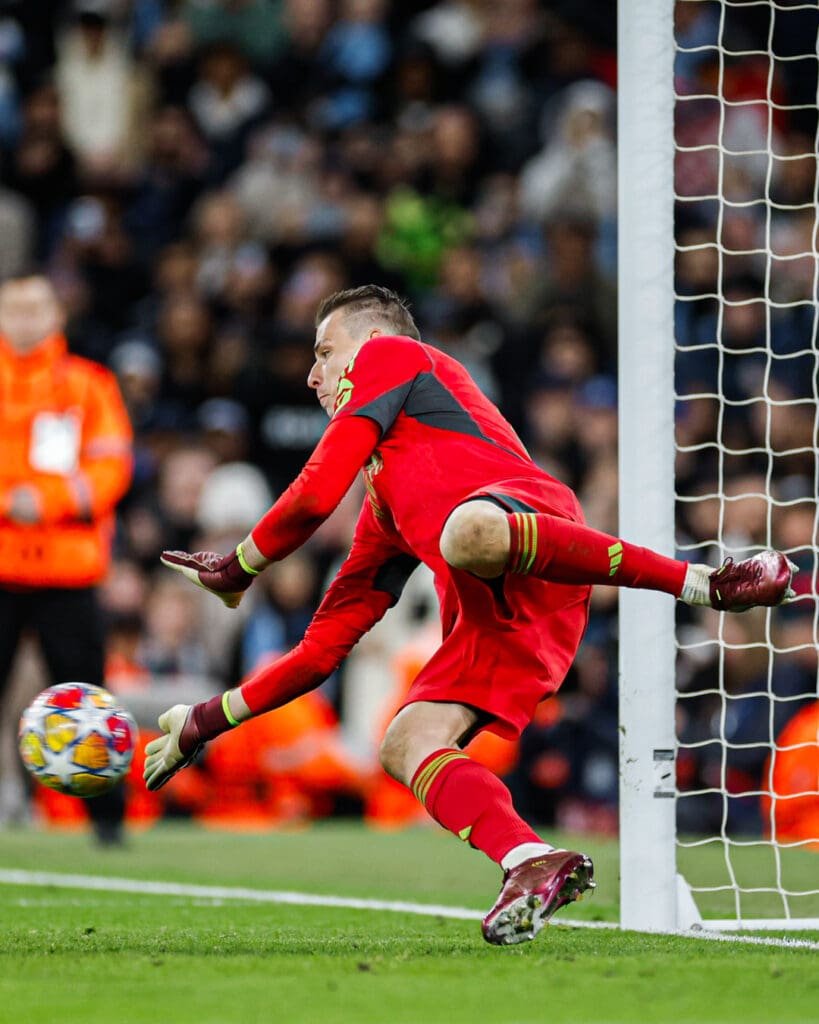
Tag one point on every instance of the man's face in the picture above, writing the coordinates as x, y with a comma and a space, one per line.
29, 312
334, 348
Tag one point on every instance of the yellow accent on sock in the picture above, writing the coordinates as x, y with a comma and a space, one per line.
419, 781
422, 784
465, 833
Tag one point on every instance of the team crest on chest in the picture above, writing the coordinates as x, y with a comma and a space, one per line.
344, 392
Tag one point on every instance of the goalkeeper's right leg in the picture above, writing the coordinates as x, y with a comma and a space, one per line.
483, 539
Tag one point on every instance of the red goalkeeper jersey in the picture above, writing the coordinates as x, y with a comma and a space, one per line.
427, 439
440, 440
432, 440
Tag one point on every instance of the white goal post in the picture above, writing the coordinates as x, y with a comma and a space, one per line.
723, 875
645, 89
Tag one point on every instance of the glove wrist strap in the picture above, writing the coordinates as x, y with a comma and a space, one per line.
226, 709
211, 718
243, 562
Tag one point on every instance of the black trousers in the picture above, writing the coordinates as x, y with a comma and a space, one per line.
69, 628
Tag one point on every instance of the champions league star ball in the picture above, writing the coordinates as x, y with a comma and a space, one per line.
76, 739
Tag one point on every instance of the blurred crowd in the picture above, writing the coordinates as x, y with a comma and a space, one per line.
195, 175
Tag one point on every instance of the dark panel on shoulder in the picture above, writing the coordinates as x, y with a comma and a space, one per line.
431, 403
386, 407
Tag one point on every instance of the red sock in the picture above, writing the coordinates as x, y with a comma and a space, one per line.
562, 551
468, 800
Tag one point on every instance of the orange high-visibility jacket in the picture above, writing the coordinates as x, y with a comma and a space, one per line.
64, 431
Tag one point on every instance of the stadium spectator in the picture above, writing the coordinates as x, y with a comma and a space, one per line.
183, 474
356, 54
575, 283
232, 497
513, 563
171, 645
227, 101
95, 244
138, 367
576, 169
174, 172
278, 183
453, 28
789, 807
184, 333
253, 26
17, 227
297, 77
41, 166
104, 95
225, 426
66, 463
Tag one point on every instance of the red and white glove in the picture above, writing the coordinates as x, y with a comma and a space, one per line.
226, 576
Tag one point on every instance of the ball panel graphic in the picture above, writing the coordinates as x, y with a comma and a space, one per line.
76, 738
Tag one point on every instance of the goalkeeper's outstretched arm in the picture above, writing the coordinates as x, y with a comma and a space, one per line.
308, 501
369, 582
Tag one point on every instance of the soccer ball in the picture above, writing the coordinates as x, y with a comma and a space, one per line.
76, 739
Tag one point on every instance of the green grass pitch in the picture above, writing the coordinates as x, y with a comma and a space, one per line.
74, 955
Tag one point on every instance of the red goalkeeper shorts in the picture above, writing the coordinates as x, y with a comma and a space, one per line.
508, 643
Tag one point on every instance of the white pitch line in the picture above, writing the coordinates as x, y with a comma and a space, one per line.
144, 887
218, 892
750, 940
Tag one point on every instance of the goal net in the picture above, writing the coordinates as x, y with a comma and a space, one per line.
729, 766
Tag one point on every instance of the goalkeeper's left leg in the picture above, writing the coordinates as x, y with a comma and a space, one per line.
468, 800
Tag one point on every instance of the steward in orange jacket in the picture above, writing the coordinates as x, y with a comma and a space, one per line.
65, 461
66, 443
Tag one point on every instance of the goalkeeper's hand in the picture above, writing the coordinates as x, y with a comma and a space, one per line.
168, 754
226, 576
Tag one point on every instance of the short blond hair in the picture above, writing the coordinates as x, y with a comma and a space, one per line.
374, 303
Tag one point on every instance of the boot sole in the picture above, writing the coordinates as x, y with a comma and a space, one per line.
525, 917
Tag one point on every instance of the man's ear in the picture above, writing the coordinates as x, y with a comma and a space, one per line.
375, 333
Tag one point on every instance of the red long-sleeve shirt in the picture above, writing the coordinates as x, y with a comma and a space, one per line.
427, 439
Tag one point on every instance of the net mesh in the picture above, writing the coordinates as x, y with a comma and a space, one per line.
747, 475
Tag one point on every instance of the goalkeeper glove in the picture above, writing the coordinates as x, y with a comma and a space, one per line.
227, 576
187, 728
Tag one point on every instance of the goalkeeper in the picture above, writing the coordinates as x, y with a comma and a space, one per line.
449, 484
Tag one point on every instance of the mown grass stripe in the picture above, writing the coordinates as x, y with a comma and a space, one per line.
100, 883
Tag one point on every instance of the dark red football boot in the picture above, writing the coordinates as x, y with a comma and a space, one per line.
533, 891
762, 580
